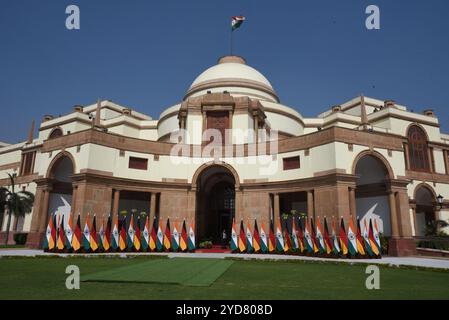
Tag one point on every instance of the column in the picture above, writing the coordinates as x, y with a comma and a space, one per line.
352, 204
310, 204
116, 203
74, 192
152, 206
276, 209
407, 157
393, 215
44, 211
446, 161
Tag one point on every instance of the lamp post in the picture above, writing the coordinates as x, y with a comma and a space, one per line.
440, 201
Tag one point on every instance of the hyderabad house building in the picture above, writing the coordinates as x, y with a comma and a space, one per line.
364, 158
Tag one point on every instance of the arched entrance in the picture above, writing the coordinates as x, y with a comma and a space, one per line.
60, 172
371, 191
425, 209
215, 187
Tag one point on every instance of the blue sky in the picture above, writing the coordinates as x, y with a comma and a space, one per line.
145, 54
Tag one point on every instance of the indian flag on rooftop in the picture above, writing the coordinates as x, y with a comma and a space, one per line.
237, 22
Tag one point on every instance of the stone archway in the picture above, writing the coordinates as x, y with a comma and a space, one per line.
425, 214
371, 193
60, 174
215, 201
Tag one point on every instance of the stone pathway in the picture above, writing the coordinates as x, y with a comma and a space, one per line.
392, 261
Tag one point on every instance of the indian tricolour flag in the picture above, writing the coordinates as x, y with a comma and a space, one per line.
146, 235
234, 239
352, 241
366, 238
279, 239
191, 242
249, 239
319, 236
175, 238
263, 239
308, 238
295, 236
160, 238
115, 235
86, 234
237, 22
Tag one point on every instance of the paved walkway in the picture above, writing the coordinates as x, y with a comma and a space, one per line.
392, 261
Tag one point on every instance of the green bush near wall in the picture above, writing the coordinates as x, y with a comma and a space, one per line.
20, 238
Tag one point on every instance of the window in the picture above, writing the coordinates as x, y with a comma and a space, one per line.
56, 133
218, 120
418, 149
291, 163
138, 163
28, 163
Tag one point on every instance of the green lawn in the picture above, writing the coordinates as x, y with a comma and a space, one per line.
44, 278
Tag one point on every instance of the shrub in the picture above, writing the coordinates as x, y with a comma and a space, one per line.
439, 244
384, 243
205, 245
20, 238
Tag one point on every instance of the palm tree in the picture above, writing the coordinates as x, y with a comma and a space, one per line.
15, 203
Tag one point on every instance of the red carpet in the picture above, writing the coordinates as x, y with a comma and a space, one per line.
214, 249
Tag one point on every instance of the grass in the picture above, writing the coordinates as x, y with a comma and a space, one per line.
195, 272
44, 278
12, 246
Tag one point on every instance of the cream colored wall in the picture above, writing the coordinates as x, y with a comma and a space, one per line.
194, 127
168, 125
438, 155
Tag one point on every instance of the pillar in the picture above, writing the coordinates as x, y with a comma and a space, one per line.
310, 204
393, 215
152, 206
401, 242
44, 212
277, 209
74, 192
115, 205
407, 157
352, 204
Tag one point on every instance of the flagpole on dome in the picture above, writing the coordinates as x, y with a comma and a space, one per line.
236, 22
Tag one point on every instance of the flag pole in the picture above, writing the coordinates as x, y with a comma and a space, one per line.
231, 41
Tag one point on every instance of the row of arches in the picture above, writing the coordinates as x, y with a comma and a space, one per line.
216, 186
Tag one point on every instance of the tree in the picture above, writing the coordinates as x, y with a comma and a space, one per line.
15, 203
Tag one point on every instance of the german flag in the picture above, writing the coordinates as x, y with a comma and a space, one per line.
343, 238
93, 235
372, 239
153, 236
52, 242
107, 235
167, 236
271, 238
183, 240
359, 239
256, 238
242, 238
327, 240
137, 235
287, 241
76, 239
61, 236
122, 236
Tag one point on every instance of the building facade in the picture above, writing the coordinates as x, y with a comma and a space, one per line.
231, 150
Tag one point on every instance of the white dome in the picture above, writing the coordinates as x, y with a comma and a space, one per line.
233, 75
